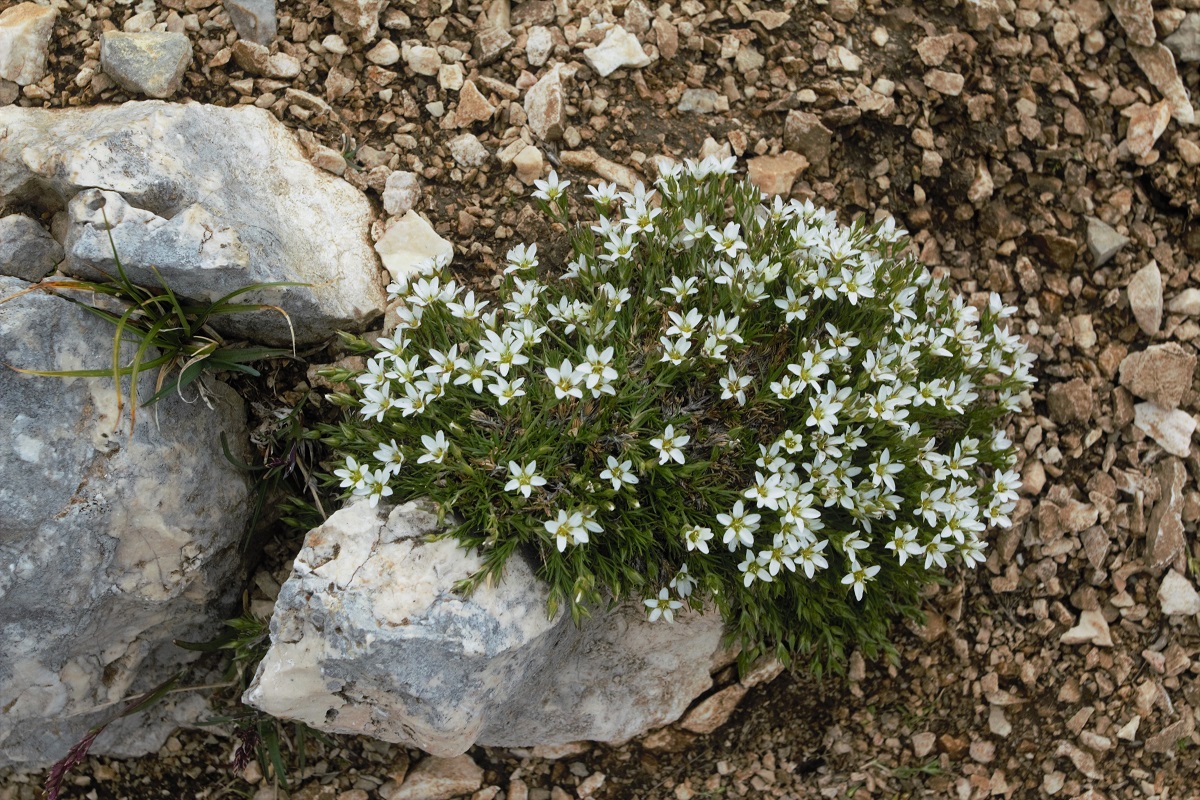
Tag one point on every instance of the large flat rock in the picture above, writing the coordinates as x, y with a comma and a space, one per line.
214, 198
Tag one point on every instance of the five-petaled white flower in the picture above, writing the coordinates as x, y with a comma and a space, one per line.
670, 445
567, 528
436, 448
739, 526
858, 576
697, 537
523, 479
664, 606
733, 386
620, 473
550, 189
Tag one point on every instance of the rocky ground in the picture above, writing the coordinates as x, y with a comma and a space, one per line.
1044, 150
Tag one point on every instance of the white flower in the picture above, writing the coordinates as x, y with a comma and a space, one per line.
670, 445
375, 486
935, 552
739, 526
390, 457
697, 538
468, 309
523, 479
550, 189
728, 242
683, 583
680, 289
766, 491
858, 577
674, 351
733, 386
504, 390
810, 558
436, 448
604, 194
794, 307
567, 528
904, 543
663, 607
684, 325
565, 380
353, 474
620, 473
521, 258
472, 371
883, 468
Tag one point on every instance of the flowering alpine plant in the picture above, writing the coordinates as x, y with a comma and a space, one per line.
716, 402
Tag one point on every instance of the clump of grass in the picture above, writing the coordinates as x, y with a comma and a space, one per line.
176, 329
717, 401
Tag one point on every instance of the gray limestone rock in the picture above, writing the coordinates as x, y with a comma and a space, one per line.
254, 20
699, 101
25, 31
112, 544
27, 250
369, 638
151, 63
214, 198
1103, 242
1185, 41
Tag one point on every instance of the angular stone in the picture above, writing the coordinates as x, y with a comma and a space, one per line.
410, 241
423, 61
254, 20
27, 250
1137, 18
467, 150
439, 779
947, 83
1186, 302
528, 164
804, 133
1146, 297
775, 175
1177, 595
258, 60
934, 50
213, 198
1092, 629
981, 14
1164, 529
441, 671
401, 193
714, 711
472, 106
116, 543
25, 31
1158, 65
592, 161
1168, 738
1146, 124
384, 53
620, 49
1185, 41
1171, 429
699, 101
1103, 242
359, 16
545, 107
490, 43
1058, 250
1161, 373
151, 63
1070, 402
538, 45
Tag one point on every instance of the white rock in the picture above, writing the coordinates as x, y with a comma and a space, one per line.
528, 164
450, 77
467, 150
408, 242
1092, 628
25, 31
439, 779
620, 48
368, 637
545, 106
384, 54
401, 193
115, 543
360, 16
1186, 302
1146, 297
1171, 429
1177, 595
538, 45
423, 60
213, 198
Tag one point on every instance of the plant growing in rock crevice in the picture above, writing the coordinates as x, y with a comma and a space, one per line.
717, 400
